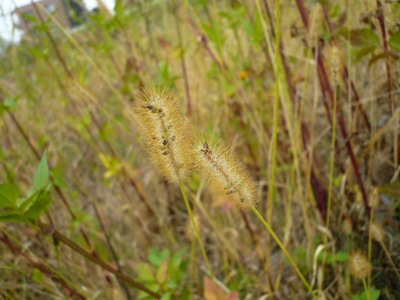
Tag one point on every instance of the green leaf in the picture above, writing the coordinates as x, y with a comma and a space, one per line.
12, 216
9, 102
392, 189
162, 272
341, 256
394, 41
215, 34
42, 174
177, 258
374, 295
364, 37
40, 205
145, 271
156, 258
174, 269
8, 195
166, 296
25, 204
255, 30
30, 18
377, 57
360, 53
37, 275
102, 251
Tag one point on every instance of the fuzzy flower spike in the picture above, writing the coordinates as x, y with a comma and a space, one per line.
165, 132
225, 173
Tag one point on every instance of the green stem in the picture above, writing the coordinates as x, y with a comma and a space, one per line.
370, 246
276, 124
197, 231
332, 167
366, 289
275, 237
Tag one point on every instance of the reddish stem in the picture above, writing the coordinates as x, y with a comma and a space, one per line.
325, 84
42, 268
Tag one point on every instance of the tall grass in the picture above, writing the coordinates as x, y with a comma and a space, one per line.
305, 93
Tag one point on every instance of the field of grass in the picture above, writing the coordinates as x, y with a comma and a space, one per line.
294, 103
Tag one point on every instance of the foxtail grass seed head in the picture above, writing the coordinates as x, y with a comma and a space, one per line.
347, 226
165, 132
227, 176
315, 25
374, 198
335, 63
377, 232
359, 264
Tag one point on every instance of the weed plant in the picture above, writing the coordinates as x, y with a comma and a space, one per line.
203, 150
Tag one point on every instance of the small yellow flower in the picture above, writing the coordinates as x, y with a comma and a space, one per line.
243, 75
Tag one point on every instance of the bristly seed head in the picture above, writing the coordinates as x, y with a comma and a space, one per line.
165, 132
225, 173
359, 265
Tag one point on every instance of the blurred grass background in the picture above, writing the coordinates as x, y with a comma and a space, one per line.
70, 94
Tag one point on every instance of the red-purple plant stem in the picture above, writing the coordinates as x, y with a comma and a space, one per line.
14, 249
386, 47
66, 241
204, 42
325, 83
183, 63
346, 75
388, 68
319, 192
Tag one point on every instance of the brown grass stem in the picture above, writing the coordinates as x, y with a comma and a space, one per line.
66, 241
52, 275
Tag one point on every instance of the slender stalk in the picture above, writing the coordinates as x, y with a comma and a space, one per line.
326, 88
283, 248
66, 241
183, 63
275, 128
346, 76
370, 246
366, 289
192, 256
45, 270
112, 250
332, 167
390, 259
196, 230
